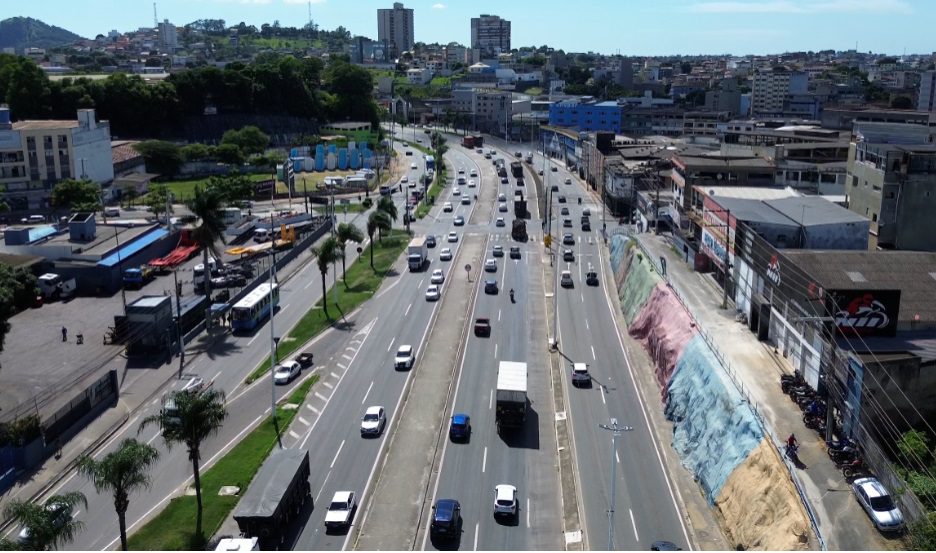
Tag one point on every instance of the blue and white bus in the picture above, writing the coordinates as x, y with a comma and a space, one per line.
254, 307
430, 162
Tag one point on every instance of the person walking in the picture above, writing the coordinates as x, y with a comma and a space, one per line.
64, 334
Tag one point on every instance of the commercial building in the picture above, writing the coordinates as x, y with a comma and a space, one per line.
586, 115
490, 34
486, 109
34, 155
927, 98
770, 89
395, 29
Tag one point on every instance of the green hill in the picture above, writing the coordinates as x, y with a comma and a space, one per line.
26, 32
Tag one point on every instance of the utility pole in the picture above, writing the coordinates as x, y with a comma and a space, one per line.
616, 431
724, 304
175, 277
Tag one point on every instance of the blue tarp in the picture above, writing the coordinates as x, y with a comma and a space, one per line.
137, 245
38, 233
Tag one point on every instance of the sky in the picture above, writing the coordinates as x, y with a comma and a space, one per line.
628, 27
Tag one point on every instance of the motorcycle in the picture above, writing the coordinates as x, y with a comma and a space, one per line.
813, 421
512, 296
853, 463
843, 456
791, 452
857, 472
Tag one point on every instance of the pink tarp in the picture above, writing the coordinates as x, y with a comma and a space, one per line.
663, 328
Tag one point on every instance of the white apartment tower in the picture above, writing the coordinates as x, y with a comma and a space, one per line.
490, 34
395, 29
927, 99
772, 86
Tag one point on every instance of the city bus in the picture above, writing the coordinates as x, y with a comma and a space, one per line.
254, 307
430, 162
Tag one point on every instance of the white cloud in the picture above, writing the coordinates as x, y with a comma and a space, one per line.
803, 6
438, 6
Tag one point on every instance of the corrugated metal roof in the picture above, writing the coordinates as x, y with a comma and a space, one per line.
129, 249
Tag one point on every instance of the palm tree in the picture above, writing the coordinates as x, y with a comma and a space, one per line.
440, 148
194, 419
47, 527
347, 233
386, 205
122, 471
326, 254
206, 205
378, 221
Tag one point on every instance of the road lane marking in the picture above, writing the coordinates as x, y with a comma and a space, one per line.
334, 374
391, 343
593, 353
634, 524
328, 385
343, 367
528, 512
367, 393
602, 392
294, 435
407, 310
346, 356
283, 308
477, 524
303, 421
313, 409
491, 400
616, 456
153, 439
498, 315
337, 453
250, 343
319, 493
495, 351
311, 281
484, 461
586, 324
320, 396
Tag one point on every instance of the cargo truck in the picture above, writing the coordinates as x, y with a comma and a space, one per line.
417, 253
137, 277
511, 395
274, 498
519, 232
53, 287
520, 207
516, 169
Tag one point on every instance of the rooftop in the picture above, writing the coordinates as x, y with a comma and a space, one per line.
815, 211
49, 124
745, 209
726, 164
748, 192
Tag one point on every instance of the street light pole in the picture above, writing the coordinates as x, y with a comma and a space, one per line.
616, 431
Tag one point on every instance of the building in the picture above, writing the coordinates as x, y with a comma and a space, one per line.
771, 87
34, 155
395, 29
846, 118
168, 37
586, 115
486, 109
490, 34
890, 175
726, 96
927, 98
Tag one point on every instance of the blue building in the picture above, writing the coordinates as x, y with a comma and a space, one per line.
586, 115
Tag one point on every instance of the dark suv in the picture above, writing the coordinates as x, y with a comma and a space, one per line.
446, 519
431, 241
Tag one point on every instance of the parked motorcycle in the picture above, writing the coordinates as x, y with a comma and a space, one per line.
853, 463
843, 456
851, 473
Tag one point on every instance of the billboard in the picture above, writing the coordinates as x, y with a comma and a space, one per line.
864, 312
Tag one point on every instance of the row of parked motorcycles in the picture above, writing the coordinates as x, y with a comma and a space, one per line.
845, 454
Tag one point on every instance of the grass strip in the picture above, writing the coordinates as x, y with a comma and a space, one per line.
173, 529
363, 283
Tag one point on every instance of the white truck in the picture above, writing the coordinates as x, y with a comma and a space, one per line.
511, 395
417, 253
54, 287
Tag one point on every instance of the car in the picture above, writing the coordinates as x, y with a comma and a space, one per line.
505, 501
580, 376
878, 503
409, 152
586, 212
471, 183
490, 286
505, 180
438, 277
586, 226
568, 239
482, 326
445, 254
460, 427
461, 170
340, 510
373, 421
568, 180
447, 207
568, 255
432, 293
404, 179
554, 187
520, 182
431, 241
487, 156
497, 251
404, 358
502, 207
565, 279
419, 140
304, 359
465, 200
540, 172
554, 169
567, 223
446, 519
60, 515
285, 372
473, 173
591, 277
490, 266
514, 252
561, 199
479, 151
518, 154
499, 222
663, 545
456, 192
502, 197
413, 184
459, 221
452, 237
413, 166
564, 211
492, 151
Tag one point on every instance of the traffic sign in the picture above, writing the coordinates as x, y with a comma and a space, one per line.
547, 240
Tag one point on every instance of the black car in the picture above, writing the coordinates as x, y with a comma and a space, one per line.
460, 429
591, 278
562, 199
446, 519
568, 239
568, 255
490, 286
514, 252
505, 180
586, 226
431, 241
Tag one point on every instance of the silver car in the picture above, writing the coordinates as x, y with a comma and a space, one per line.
878, 503
505, 500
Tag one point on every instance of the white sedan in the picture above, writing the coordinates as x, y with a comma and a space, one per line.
456, 192
445, 254
286, 372
432, 293
438, 277
413, 166
452, 237
471, 184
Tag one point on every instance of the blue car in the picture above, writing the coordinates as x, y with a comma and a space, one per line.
460, 429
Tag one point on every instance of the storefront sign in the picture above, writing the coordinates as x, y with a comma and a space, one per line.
864, 312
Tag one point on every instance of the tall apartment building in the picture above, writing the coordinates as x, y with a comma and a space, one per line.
395, 28
771, 88
927, 98
34, 155
168, 37
726, 96
490, 34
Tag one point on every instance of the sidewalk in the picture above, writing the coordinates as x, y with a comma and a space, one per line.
842, 523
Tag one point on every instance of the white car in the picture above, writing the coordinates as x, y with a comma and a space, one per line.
499, 222
568, 180
286, 371
502, 207
445, 254
413, 184
60, 513
502, 197
471, 184
878, 503
432, 293
565, 279
490, 266
404, 357
438, 277
456, 192
340, 510
461, 170
505, 500
413, 166
465, 200
452, 237
404, 179
447, 207
373, 421
474, 173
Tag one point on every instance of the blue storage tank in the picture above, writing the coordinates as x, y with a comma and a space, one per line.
297, 164
320, 158
342, 159
355, 159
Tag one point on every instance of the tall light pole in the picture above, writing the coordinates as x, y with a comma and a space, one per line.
616, 431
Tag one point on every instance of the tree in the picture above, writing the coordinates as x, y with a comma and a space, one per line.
121, 472
196, 417
347, 232
47, 529
17, 292
249, 139
129, 193
902, 102
440, 147
4, 207
158, 200
386, 205
78, 195
378, 221
160, 156
194, 152
233, 187
229, 153
326, 254
206, 205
